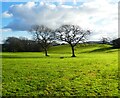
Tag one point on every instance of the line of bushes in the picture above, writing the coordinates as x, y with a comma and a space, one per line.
13, 44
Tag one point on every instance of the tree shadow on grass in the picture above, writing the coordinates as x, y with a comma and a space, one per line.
21, 57
34, 57
105, 49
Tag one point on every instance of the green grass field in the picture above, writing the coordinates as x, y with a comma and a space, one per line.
94, 72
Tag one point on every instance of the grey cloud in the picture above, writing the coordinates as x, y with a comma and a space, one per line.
87, 15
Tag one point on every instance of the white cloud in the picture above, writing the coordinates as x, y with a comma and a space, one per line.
98, 15
5, 30
7, 15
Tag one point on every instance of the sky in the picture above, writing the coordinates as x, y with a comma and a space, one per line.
99, 16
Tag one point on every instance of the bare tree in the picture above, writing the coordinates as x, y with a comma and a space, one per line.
72, 34
43, 36
105, 40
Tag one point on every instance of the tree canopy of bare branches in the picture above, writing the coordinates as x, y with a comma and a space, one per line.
43, 36
72, 34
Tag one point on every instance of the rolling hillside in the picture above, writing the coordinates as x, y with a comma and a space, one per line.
94, 72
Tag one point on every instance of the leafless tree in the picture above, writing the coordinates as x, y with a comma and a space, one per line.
43, 36
72, 34
105, 40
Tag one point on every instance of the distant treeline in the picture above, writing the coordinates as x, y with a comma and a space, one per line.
13, 44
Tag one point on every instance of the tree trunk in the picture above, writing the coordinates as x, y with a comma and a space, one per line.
46, 54
73, 53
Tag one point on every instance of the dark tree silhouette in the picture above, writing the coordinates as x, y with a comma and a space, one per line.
116, 43
13, 44
43, 36
72, 34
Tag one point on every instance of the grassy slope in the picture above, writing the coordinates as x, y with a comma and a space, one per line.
92, 73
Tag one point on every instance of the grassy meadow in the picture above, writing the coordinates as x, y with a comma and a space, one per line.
93, 72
